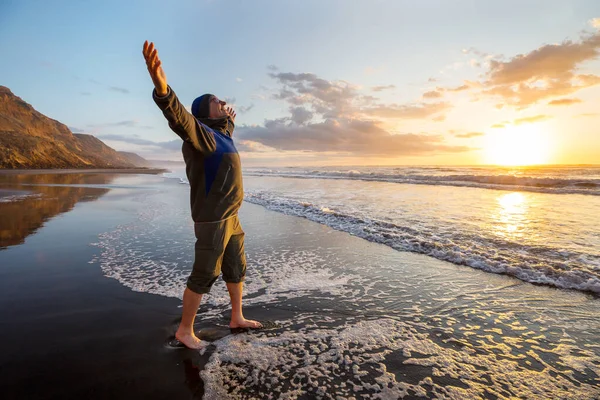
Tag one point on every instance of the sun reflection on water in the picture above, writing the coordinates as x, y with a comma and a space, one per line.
512, 216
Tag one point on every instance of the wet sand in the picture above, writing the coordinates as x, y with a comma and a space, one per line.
355, 318
55, 171
68, 332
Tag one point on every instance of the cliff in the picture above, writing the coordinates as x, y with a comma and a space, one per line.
29, 139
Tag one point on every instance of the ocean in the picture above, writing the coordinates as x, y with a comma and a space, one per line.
541, 225
435, 303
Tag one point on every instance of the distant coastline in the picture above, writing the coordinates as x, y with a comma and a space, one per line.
141, 170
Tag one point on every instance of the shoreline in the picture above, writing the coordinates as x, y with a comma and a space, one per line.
152, 171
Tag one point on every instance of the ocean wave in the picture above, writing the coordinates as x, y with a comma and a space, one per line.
557, 185
534, 264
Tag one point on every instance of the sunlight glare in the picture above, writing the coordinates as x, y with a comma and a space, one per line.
517, 145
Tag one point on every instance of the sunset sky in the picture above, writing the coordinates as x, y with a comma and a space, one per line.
323, 82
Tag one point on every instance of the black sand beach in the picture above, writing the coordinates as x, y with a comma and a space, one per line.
356, 319
68, 332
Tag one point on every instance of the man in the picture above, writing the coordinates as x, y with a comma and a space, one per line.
214, 171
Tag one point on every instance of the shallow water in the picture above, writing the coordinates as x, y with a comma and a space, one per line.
541, 225
537, 237
361, 319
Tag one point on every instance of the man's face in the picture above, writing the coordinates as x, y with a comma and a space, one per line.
217, 108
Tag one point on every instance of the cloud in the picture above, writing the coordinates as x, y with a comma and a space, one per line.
469, 134
595, 22
380, 88
564, 102
365, 138
328, 98
521, 121
134, 139
433, 94
300, 115
529, 120
245, 109
253, 147
85, 93
549, 71
407, 111
459, 88
474, 63
588, 115
118, 89
472, 50
328, 116
126, 123
238, 79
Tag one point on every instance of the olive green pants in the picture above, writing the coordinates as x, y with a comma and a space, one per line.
219, 248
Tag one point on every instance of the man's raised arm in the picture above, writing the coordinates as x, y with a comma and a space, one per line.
180, 120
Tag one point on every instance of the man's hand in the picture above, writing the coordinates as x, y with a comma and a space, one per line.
155, 69
231, 113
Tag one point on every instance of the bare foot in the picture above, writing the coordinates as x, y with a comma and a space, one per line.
190, 341
244, 323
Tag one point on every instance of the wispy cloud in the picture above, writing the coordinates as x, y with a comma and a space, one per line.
521, 121
118, 89
381, 88
134, 139
460, 88
532, 119
469, 135
564, 102
130, 123
126, 123
245, 109
407, 111
432, 94
472, 50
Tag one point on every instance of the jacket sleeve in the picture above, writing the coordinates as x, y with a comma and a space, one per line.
184, 124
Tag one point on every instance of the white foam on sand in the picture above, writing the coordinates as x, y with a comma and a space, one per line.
20, 197
348, 362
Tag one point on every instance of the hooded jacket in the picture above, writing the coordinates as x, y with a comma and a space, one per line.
212, 163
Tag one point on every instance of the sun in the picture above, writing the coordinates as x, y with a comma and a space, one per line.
517, 145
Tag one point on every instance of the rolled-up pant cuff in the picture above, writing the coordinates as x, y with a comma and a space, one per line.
234, 280
197, 289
